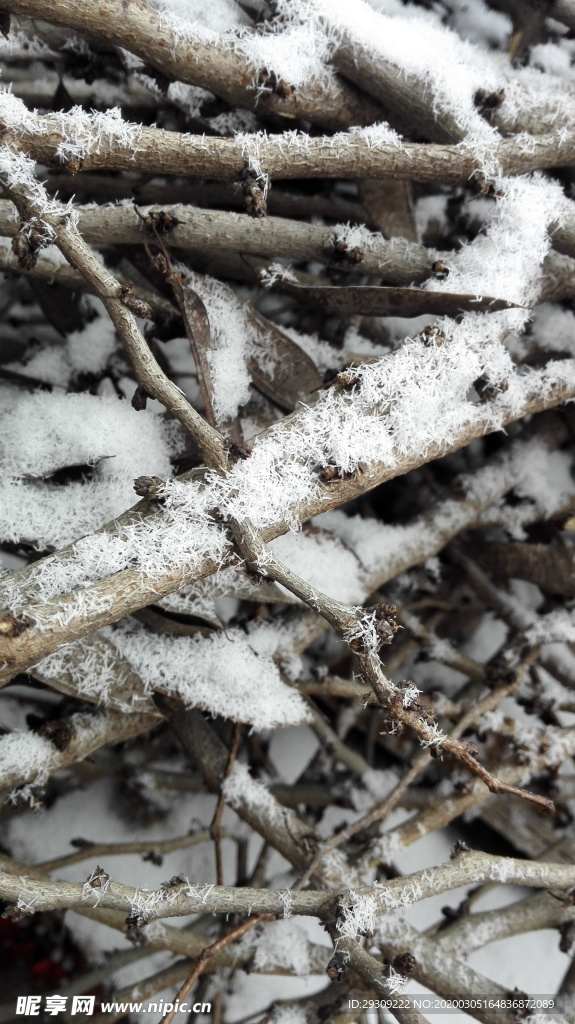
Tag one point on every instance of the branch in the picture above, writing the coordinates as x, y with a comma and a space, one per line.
365, 631
419, 764
352, 155
207, 954
52, 271
399, 261
31, 895
209, 64
75, 614
33, 205
90, 849
29, 758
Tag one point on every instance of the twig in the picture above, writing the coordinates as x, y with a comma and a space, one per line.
210, 64
342, 156
187, 898
356, 628
399, 261
90, 850
207, 954
420, 763
215, 830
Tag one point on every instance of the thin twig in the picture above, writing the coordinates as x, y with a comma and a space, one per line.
215, 827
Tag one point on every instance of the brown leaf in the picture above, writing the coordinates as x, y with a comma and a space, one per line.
374, 300
389, 205
197, 324
60, 305
551, 568
286, 374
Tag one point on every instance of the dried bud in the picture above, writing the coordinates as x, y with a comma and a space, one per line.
236, 451
174, 881
13, 912
346, 379
255, 186
161, 221
439, 270
488, 391
404, 963
154, 857
150, 487
12, 625
26, 245
431, 335
385, 623
269, 81
134, 924
160, 263
335, 969
136, 306
73, 165
488, 101
458, 848
59, 731
339, 252
140, 399
98, 879
328, 473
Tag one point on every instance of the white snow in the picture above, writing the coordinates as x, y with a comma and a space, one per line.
222, 673
53, 431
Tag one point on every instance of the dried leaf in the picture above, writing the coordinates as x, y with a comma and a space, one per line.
60, 305
551, 568
374, 300
389, 205
287, 374
197, 324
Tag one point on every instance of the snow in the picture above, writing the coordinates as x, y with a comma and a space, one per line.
505, 260
475, 21
357, 915
288, 1015
294, 54
86, 350
281, 944
86, 133
53, 431
244, 686
324, 562
554, 328
200, 18
232, 338
32, 754
241, 790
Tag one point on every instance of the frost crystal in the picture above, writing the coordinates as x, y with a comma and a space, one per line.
357, 915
